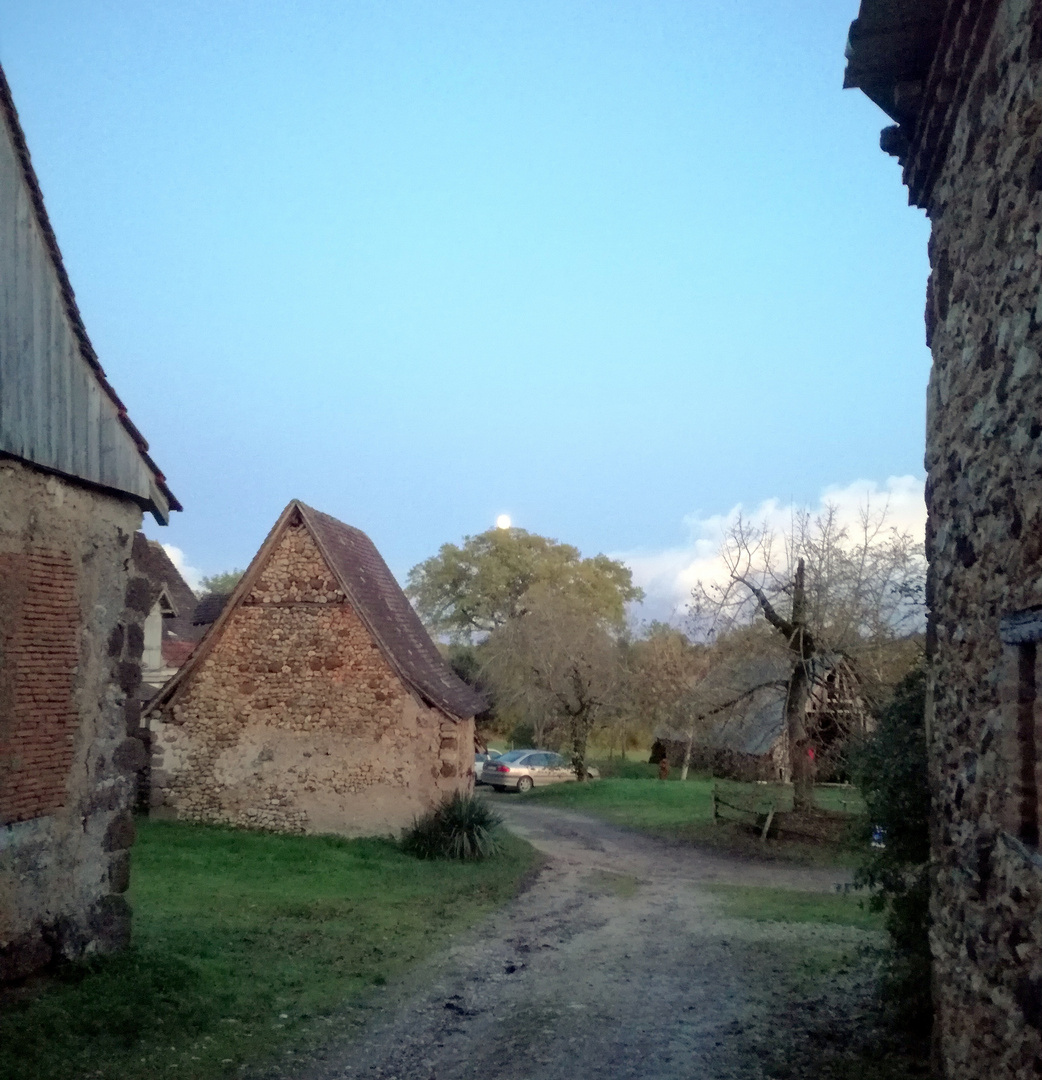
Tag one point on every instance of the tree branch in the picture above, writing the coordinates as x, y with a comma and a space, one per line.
767, 608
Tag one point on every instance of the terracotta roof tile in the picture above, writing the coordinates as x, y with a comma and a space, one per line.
386, 610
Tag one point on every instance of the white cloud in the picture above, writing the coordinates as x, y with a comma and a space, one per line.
667, 577
191, 575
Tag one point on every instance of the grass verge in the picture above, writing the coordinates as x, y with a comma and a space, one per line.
243, 942
763, 904
683, 811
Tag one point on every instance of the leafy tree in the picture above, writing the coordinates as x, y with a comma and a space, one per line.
559, 661
665, 668
825, 590
470, 590
890, 768
220, 583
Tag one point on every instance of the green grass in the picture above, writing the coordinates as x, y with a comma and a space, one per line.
639, 804
243, 942
794, 906
683, 811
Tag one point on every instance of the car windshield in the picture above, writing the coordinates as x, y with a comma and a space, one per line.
514, 755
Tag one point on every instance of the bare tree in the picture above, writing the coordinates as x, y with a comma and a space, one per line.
826, 590
561, 661
665, 669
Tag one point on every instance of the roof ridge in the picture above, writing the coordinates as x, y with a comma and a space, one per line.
410, 652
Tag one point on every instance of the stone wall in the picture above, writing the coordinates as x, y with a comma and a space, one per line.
295, 721
984, 493
71, 613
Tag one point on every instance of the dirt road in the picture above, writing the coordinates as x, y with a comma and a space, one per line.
617, 962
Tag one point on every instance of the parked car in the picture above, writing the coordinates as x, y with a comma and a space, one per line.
522, 770
479, 762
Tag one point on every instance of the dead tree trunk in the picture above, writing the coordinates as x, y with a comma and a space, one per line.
802, 646
687, 753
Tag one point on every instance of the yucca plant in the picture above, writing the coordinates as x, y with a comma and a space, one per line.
462, 827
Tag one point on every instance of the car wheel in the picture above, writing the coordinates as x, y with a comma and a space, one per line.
524, 784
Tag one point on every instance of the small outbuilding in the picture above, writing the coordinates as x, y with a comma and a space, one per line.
748, 740
316, 702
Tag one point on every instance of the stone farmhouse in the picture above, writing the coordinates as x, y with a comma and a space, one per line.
962, 79
75, 477
316, 702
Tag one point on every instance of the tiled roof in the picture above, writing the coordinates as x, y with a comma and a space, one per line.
176, 653
207, 610
390, 618
152, 560
376, 597
72, 311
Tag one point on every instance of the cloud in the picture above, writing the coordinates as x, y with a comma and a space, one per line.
191, 575
667, 577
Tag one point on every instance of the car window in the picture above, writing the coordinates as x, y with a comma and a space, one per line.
538, 761
514, 755
557, 761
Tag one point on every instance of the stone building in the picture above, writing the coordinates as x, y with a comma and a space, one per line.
75, 477
962, 79
316, 702
170, 632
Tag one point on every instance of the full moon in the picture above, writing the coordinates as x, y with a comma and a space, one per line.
503, 521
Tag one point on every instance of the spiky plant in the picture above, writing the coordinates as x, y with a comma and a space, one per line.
461, 827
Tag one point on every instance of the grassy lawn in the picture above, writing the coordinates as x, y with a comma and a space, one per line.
793, 906
683, 811
243, 943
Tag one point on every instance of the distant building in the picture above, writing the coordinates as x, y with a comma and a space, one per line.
170, 632
962, 80
75, 477
316, 702
748, 740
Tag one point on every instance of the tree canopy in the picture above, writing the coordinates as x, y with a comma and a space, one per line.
219, 583
473, 589
559, 663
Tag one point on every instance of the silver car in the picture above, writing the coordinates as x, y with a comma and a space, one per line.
479, 763
522, 770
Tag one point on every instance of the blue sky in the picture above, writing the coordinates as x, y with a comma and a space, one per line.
609, 267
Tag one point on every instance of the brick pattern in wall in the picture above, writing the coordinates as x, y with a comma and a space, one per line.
39, 615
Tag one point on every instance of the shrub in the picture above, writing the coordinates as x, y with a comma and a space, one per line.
462, 827
890, 769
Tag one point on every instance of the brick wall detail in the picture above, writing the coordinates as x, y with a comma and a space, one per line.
295, 721
71, 615
39, 652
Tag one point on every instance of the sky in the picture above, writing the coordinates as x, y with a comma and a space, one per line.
613, 268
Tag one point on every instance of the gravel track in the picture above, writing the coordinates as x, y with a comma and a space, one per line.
615, 962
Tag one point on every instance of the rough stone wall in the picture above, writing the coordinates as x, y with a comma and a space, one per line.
71, 612
296, 722
984, 493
